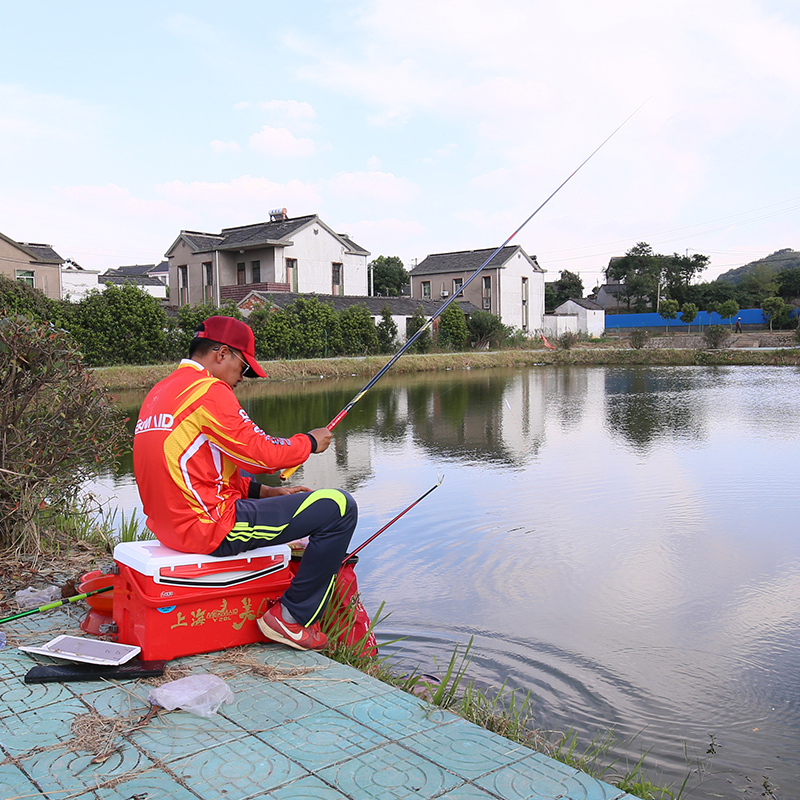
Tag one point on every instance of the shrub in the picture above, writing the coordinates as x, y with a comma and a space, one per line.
639, 338
359, 336
485, 329
387, 331
453, 332
715, 336
120, 325
17, 297
189, 319
59, 428
567, 340
414, 324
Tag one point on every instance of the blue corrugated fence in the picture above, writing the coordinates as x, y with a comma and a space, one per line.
748, 316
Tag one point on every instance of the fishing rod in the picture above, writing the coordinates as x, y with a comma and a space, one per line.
56, 604
405, 510
287, 473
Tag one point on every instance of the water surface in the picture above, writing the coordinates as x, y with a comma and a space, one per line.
620, 542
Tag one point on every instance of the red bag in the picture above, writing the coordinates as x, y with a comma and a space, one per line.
345, 617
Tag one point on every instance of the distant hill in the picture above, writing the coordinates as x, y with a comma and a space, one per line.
780, 259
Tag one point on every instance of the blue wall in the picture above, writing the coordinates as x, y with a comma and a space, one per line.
749, 316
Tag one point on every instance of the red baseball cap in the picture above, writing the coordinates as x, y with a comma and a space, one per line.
236, 334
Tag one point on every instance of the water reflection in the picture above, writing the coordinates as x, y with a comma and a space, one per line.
620, 542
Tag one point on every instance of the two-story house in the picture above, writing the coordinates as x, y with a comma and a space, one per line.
510, 286
300, 254
38, 265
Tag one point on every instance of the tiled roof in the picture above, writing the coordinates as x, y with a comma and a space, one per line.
400, 306
356, 248
463, 261
135, 269
117, 278
202, 242
263, 232
589, 305
43, 252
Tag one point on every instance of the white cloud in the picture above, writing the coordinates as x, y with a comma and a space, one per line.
290, 110
281, 143
371, 186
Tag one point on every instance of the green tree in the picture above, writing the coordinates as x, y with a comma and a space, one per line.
759, 283
485, 330
387, 331
59, 428
689, 314
789, 283
668, 311
640, 270
728, 310
189, 319
415, 322
120, 325
359, 336
568, 286
775, 310
318, 332
677, 272
452, 333
17, 297
274, 332
388, 276
550, 298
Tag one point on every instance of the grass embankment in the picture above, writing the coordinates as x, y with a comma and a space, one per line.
134, 377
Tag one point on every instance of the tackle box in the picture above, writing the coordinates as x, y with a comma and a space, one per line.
175, 604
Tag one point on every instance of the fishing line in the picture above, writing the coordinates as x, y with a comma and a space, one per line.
286, 474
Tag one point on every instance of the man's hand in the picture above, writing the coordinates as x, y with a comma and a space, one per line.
323, 437
276, 491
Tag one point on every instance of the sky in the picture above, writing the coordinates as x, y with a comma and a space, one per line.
416, 127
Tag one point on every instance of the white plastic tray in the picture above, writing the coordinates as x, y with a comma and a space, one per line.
87, 651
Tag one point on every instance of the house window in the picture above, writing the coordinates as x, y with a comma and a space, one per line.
256, 271
457, 284
524, 304
183, 285
487, 293
27, 276
291, 274
337, 279
208, 282
426, 290
241, 273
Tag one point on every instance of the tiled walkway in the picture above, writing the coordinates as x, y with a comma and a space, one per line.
330, 733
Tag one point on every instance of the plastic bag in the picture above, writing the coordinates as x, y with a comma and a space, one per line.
30, 597
198, 694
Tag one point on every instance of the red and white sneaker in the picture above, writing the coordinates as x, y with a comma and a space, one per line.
274, 627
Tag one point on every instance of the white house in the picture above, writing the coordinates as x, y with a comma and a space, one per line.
576, 315
510, 286
77, 281
300, 254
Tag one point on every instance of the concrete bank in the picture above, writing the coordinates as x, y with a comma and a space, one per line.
300, 726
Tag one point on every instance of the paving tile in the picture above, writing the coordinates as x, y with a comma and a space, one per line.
337, 685
114, 700
397, 714
466, 749
468, 792
389, 773
64, 773
323, 739
177, 734
39, 727
16, 695
540, 778
154, 784
308, 788
242, 769
269, 705
13, 783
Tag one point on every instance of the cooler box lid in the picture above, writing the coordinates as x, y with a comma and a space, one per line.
175, 568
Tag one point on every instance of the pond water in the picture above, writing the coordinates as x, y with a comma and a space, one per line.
620, 542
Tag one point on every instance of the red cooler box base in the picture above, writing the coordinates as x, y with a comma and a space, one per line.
175, 604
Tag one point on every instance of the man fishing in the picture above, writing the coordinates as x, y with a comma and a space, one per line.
192, 439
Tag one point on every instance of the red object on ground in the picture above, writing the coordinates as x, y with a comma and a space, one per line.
178, 604
546, 343
100, 605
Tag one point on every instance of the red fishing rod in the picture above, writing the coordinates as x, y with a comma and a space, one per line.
287, 473
392, 522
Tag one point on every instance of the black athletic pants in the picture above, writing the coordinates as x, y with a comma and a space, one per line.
327, 516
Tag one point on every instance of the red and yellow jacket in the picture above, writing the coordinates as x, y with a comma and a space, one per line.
191, 438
